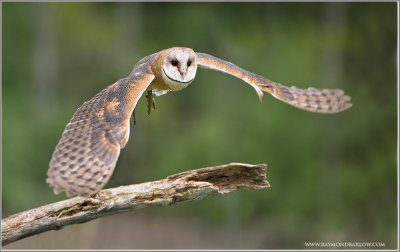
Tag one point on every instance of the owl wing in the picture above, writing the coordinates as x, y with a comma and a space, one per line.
311, 99
87, 153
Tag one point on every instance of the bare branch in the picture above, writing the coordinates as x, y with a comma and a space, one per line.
191, 185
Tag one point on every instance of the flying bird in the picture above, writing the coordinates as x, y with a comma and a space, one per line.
88, 150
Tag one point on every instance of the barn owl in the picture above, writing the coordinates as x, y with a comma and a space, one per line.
87, 153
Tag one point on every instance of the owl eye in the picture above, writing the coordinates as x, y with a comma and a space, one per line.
189, 62
174, 62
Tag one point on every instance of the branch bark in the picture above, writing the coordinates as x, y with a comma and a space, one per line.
191, 185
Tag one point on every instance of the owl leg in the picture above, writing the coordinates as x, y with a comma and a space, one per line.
133, 117
151, 104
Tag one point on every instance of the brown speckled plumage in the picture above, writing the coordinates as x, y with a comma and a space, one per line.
87, 153
311, 99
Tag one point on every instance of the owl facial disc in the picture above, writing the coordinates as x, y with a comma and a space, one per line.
179, 68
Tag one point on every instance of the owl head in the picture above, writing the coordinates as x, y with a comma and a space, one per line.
179, 68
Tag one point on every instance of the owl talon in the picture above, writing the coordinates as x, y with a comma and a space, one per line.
151, 104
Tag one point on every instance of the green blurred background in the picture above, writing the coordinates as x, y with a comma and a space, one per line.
333, 177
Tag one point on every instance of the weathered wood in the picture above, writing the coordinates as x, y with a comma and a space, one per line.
191, 185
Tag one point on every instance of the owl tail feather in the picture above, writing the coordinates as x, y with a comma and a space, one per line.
311, 99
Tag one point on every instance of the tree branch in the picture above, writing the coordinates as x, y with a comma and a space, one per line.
191, 185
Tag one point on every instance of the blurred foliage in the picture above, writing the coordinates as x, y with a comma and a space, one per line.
333, 177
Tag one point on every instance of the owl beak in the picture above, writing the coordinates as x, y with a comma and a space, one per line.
182, 71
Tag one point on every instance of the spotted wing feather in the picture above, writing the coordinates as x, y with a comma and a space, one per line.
84, 158
311, 99
86, 155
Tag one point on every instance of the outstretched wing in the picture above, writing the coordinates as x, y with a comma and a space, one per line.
85, 157
311, 99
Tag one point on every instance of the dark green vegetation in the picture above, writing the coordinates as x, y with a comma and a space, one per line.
333, 177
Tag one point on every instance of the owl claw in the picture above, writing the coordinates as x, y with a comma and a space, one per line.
151, 104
